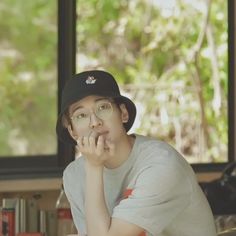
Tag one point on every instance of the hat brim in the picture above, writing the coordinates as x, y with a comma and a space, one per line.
64, 135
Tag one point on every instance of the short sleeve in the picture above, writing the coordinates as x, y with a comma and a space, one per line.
78, 217
160, 193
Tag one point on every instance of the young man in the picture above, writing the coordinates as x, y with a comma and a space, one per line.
124, 185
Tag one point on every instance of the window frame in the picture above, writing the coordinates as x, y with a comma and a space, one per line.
52, 165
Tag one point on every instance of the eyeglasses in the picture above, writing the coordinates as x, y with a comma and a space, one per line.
81, 117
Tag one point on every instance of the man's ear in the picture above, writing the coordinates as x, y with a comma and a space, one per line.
124, 113
75, 137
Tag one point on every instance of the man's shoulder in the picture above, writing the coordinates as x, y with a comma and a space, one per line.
74, 169
152, 151
154, 146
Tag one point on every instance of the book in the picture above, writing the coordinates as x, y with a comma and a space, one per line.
0, 221
29, 234
14, 216
42, 222
17, 215
21, 217
8, 216
31, 215
51, 218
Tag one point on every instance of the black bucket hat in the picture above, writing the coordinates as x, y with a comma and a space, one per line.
94, 82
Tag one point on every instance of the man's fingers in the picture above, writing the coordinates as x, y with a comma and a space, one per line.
100, 145
85, 141
93, 136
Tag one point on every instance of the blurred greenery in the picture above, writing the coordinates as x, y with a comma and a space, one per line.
172, 60
28, 86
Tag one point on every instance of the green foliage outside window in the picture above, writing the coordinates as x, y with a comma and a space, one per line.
28, 85
172, 60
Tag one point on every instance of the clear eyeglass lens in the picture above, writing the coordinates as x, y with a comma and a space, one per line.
81, 117
103, 111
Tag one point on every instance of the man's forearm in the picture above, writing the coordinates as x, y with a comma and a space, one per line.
97, 215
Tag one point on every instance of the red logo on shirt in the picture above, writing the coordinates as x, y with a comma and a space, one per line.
126, 194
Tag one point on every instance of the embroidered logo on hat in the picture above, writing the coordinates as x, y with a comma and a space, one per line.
90, 80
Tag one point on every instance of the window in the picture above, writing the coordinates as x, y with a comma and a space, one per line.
173, 63
28, 78
51, 163
34, 74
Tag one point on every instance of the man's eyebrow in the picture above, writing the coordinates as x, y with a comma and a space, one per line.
76, 108
104, 98
96, 100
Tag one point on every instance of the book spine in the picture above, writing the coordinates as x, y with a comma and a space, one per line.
29, 234
42, 222
22, 215
17, 216
0, 221
10, 217
31, 215
51, 223
8, 222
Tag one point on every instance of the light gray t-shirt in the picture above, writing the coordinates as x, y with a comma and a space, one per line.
155, 188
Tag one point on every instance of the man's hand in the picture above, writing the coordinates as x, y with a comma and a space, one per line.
96, 148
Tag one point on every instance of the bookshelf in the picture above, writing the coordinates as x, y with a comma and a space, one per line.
24, 185
44, 194
46, 190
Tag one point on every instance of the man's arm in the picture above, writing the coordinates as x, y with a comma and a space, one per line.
99, 222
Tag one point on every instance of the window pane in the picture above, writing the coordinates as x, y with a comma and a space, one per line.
28, 82
171, 57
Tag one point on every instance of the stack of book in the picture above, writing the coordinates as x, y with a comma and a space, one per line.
21, 217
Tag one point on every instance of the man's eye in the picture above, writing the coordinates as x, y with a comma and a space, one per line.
104, 106
81, 116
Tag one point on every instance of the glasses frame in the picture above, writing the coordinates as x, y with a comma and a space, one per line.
72, 118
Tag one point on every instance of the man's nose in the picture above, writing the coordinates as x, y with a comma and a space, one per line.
95, 120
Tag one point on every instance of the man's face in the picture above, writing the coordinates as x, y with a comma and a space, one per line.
98, 116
